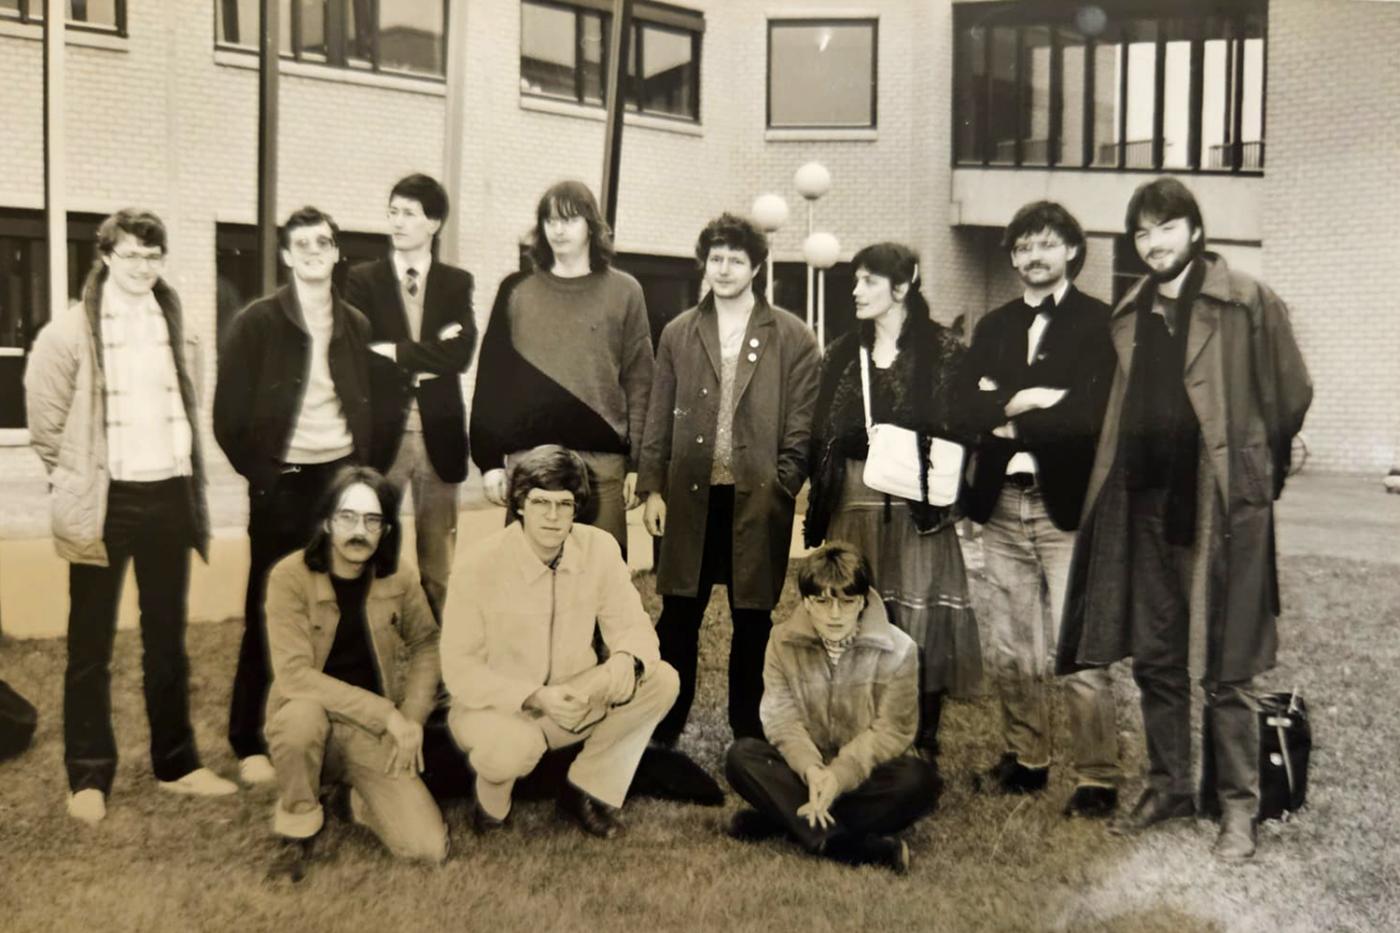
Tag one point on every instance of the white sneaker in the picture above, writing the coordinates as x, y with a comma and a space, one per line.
201, 782
297, 825
88, 805
256, 769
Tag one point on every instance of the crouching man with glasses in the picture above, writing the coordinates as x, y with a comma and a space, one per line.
518, 652
355, 673
840, 709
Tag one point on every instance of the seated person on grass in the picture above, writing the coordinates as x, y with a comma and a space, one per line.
840, 709
355, 672
518, 652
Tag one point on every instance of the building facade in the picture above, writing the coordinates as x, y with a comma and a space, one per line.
936, 120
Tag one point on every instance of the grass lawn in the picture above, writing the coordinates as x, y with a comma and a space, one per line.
161, 862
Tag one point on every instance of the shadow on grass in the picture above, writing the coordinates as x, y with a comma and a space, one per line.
980, 863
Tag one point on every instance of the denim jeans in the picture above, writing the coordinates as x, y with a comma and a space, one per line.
1028, 567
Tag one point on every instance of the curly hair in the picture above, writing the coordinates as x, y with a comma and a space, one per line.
1047, 215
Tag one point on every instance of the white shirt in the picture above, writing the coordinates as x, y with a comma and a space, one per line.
320, 433
1023, 461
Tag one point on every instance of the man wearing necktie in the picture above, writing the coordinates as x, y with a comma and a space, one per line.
423, 332
1035, 387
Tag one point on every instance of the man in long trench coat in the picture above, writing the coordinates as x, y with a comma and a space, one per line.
1174, 565
723, 458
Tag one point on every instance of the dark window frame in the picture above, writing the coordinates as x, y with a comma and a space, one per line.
780, 21
337, 42
25, 14
664, 17
1042, 13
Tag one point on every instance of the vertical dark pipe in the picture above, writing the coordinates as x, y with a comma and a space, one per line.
617, 72
269, 61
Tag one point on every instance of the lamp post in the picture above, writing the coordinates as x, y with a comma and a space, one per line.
821, 250
770, 212
812, 181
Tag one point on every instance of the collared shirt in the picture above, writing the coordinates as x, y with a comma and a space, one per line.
412, 304
1023, 461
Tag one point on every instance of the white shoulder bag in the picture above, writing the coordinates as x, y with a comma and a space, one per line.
892, 466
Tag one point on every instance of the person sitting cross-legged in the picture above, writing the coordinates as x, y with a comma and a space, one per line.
354, 673
518, 652
840, 709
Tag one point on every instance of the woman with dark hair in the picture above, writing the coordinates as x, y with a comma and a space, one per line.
566, 359
912, 546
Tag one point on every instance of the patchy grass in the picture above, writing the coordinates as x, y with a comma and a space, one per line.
161, 862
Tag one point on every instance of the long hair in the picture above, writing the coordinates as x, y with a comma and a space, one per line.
555, 468
1163, 199
385, 561
571, 199
900, 265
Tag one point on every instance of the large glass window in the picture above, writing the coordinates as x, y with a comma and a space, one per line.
822, 73
1140, 87
397, 36
106, 15
563, 54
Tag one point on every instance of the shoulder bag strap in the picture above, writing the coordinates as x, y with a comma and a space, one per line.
865, 385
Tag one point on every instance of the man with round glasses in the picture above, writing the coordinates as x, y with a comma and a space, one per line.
518, 653
354, 650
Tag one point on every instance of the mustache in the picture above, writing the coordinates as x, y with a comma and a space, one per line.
359, 540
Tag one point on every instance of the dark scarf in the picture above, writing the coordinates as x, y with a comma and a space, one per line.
1160, 438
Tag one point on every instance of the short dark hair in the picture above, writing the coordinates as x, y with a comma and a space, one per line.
1164, 198
424, 189
1047, 215
385, 561
735, 232
142, 224
555, 468
835, 567
571, 199
307, 216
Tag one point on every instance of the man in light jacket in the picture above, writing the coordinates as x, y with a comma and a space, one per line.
355, 673
840, 709
518, 650
113, 414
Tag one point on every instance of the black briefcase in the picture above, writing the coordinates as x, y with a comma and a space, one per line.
1285, 746
18, 719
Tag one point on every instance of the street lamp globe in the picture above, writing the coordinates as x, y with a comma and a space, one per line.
769, 211
812, 180
821, 250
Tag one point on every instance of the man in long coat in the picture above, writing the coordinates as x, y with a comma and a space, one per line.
1174, 565
723, 458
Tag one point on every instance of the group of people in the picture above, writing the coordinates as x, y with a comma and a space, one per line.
1123, 462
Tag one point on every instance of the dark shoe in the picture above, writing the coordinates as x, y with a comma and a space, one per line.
1009, 776
667, 774
1151, 808
1092, 802
484, 823
592, 815
887, 852
751, 826
291, 861
1238, 838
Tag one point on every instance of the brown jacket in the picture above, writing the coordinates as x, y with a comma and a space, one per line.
852, 718
302, 615
775, 391
1250, 390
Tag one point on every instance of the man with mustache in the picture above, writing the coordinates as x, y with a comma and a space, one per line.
1174, 564
354, 650
291, 407
1035, 384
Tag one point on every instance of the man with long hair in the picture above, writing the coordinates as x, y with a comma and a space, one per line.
567, 359
1174, 562
354, 650
113, 414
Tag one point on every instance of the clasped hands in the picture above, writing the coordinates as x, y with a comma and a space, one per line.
407, 738
575, 704
822, 790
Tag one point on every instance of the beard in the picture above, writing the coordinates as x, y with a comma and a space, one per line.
1175, 269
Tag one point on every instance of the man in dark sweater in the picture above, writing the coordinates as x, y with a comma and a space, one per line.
1035, 385
422, 330
355, 667
567, 359
291, 406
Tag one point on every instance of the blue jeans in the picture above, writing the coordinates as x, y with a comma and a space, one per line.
1028, 567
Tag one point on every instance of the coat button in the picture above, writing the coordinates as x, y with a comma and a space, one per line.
753, 357
753, 342
704, 391
694, 487
699, 439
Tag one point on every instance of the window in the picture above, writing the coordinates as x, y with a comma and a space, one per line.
391, 36
104, 15
563, 55
1139, 88
822, 73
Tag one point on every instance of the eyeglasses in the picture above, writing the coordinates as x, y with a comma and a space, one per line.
150, 259
347, 520
551, 506
308, 244
1045, 245
827, 601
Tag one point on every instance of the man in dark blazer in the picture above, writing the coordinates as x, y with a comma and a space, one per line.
1035, 386
423, 332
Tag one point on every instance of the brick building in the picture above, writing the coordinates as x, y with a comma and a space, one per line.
936, 119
